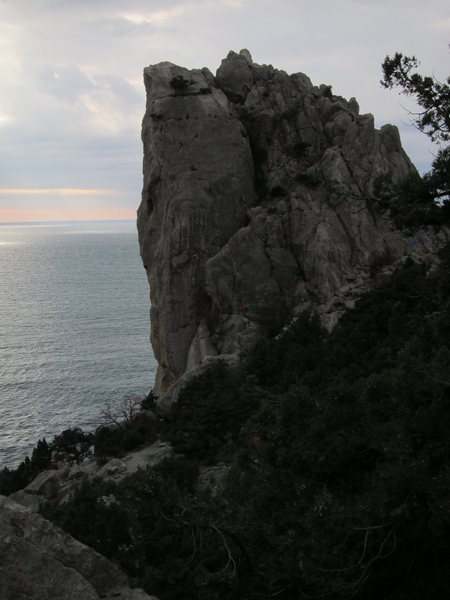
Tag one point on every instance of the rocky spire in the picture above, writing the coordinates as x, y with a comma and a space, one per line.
257, 205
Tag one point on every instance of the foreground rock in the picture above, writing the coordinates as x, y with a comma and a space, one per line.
38, 561
258, 204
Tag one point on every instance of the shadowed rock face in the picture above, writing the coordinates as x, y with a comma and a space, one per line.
257, 205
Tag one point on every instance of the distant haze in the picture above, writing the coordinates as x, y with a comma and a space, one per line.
72, 98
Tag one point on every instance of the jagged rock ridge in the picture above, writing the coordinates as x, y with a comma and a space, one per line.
257, 205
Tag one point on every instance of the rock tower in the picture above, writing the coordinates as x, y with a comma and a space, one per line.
258, 204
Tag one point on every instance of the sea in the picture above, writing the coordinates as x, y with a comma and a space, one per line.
74, 328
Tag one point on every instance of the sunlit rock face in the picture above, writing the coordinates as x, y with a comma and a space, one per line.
257, 205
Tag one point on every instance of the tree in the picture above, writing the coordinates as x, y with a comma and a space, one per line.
432, 192
41, 457
431, 95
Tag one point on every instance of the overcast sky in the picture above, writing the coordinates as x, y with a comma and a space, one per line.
72, 97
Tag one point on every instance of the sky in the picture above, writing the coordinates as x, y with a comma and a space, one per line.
72, 96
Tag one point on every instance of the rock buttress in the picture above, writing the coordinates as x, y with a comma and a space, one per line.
257, 205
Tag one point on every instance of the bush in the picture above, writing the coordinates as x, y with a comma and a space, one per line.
179, 83
149, 402
72, 445
411, 203
124, 429
94, 517
207, 418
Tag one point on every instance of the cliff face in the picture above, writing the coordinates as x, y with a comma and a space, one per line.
257, 205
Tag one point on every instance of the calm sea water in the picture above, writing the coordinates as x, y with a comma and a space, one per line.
74, 328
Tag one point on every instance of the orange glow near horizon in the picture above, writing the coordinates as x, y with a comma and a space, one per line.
20, 205
15, 215
55, 191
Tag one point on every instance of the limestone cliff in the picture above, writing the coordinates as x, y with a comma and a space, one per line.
257, 205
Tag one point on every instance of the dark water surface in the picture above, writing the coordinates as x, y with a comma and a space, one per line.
74, 328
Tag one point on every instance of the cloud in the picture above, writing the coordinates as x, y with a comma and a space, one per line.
159, 17
71, 92
5, 119
66, 82
71, 84
441, 24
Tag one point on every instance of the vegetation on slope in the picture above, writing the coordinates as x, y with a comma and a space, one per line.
121, 431
338, 448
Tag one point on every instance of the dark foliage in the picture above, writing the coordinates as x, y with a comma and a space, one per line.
94, 517
149, 402
206, 420
73, 445
420, 201
155, 527
180, 83
412, 203
339, 452
432, 96
348, 465
16, 479
118, 438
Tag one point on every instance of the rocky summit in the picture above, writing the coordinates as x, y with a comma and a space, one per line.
258, 204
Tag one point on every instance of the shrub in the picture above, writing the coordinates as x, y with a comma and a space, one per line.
179, 83
411, 203
72, 445
149, 402
208, 414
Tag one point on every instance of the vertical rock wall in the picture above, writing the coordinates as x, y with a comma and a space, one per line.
257, 205
198, 186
